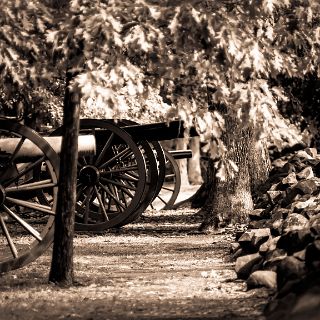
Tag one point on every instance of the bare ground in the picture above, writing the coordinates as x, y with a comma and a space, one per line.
156, 268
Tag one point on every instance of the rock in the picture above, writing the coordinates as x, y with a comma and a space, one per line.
289, 268
313, 255
260, 236
274, 186
277, 227
291, 195
315, 230
306, 173
290, 179
273, 259
316, 169
298, 162
245, 264
303, 155
262, 278
317, 181
256, 214
280, 213
259, 224
294, 221
301, 204
287, 169
312, 152
269, 245
275, 196
310, 213
279, 163
238, 253
253, 238
279, 308
306, 187
234, 246
314, 221
307, 306
300, 255
295, 240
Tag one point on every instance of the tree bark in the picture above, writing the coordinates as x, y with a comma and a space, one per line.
230, 201
61, 271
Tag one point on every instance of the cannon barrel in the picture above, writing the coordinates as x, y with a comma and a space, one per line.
28, 150
152, 132
181, 154
159, 131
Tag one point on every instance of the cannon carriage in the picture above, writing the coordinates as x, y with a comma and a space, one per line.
121, 172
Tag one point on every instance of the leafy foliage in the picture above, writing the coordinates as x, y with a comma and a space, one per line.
24, 60
198, 55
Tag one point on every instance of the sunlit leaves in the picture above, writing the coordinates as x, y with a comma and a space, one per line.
123, 50
23, 59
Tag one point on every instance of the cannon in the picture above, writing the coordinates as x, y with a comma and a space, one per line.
127, 173
121, 171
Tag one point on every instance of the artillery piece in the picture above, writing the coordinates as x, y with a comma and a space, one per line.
121, 171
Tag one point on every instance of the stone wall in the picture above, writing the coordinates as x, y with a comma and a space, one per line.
280, 248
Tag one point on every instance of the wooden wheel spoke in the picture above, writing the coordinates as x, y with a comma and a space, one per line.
31, 205
80, 188
116, 200
123, 194
6, 233
161, 199
123, 169
82, 159
24, 224
129, 178
119, 184
166, 188
119, 156
18, 147
101, 203
86, 204
104, 150
25, 171
124, 188
32, 186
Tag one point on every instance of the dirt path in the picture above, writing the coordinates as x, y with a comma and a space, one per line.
156, 268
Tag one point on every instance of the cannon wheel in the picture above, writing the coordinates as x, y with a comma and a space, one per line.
170, 189
151, 181
159, 155
28, 196
155, 160
111, 184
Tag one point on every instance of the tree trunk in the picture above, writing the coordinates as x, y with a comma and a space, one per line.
62, 256
230, 201
194, 168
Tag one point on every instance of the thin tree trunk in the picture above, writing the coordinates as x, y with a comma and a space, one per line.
62, 256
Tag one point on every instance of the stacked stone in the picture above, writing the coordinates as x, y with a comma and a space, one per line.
281, 247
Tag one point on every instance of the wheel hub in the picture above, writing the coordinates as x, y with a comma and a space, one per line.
89, 175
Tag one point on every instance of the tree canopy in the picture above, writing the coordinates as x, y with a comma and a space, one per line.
195, 55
